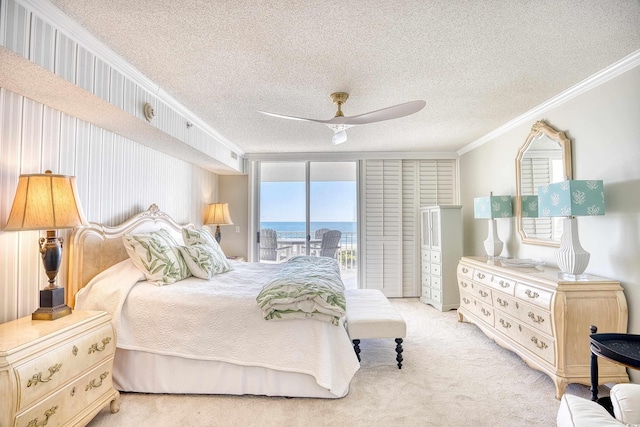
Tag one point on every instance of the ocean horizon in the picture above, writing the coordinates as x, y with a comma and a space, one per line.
285, 226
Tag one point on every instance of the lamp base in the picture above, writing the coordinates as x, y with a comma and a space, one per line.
572, 258
52, 305
493, 245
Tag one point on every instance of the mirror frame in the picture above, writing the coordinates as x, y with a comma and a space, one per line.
540, 127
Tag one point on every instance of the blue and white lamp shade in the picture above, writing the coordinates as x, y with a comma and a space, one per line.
490, 207
529, 206
571, 198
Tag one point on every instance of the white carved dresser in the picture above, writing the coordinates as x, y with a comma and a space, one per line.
56, 372
543, 319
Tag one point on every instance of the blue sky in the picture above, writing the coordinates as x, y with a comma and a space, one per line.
333, 201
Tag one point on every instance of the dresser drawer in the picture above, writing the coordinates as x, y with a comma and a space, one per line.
534, 295
436, 256
62, 405
426, 280
537, 343
464, 284
426, 292
481, 292
502, 284
465, 271
479, 309
41, 375
426, 256
436, 295
426, 268
436, 282
436, 270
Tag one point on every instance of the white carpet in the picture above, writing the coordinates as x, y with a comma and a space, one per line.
453, 375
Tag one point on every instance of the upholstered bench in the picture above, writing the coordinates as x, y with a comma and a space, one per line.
371, 315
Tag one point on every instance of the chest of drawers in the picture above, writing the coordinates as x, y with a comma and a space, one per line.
543, 319
56, 373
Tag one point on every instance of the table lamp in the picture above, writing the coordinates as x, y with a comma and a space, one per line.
529, 206
47, 202
492, 207
218, 215
570, 199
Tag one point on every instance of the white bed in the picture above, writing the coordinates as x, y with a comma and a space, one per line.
166, 345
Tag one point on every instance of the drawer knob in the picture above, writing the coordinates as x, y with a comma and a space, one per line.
503, 284
94, 384
480, 276
535, 318
74, 350
486, 312
505, 324
531, 294
37, 378
466, 300
94, 347
540, 344
502, 303
463, 284
465, 270
48, 413
482, 293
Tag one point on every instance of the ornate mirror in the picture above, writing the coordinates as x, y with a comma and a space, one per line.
544, 158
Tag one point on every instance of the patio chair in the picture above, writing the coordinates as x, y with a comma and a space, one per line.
320, 232
270, 250
330, 244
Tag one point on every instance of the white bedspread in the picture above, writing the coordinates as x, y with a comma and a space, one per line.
219, 320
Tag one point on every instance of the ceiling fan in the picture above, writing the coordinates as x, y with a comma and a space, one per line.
339, 124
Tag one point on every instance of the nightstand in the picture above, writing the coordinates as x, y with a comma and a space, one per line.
56, 371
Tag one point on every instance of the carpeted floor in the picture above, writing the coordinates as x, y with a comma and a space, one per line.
453, 375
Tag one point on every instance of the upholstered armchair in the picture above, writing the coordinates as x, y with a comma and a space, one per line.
578, 412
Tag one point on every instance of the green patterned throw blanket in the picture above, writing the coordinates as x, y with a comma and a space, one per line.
305, 287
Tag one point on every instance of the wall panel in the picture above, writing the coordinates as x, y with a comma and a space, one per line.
116, 178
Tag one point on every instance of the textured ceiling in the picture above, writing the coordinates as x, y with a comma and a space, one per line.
477, 64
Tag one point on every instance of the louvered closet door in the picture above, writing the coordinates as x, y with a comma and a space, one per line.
536, 172
424, 183
382, 224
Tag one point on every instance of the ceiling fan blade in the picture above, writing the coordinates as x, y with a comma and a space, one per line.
388, 113
339, 137
282, 116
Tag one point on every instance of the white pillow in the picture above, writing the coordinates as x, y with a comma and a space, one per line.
625, 399
202, 236
156, 256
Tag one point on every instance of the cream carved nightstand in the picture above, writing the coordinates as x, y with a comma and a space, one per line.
56, 372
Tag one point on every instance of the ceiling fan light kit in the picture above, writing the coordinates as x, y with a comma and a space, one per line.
340, 123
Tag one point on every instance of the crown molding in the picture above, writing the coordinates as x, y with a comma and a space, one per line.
62, 22
614, 70
351, 155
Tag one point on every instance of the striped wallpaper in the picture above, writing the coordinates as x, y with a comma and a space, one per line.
116, 178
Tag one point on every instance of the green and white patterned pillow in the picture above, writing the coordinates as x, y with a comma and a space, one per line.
202, 236
202, 261
157, 256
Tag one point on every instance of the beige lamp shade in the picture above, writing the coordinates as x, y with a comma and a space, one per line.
45, 202
219, 214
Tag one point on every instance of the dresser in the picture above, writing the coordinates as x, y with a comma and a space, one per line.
543, 319
441, 248
56, 372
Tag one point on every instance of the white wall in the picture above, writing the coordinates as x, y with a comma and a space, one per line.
604, 128
116, 178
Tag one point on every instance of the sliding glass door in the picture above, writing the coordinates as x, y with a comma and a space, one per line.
309, 208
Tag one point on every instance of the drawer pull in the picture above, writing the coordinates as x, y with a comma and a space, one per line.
37, 378
503, 284
94, 347
463, 284
537, 319
74, 350
465, 270
540, 344
531, 294
502, 303
485, 312
465, 300
48, 413
93, 383
73, 392
482, 293
505, 324
480, 276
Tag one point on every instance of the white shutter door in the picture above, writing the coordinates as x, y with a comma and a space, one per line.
382, 224
424, 183
535, 172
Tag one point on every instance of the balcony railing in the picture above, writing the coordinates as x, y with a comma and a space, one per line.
346, 255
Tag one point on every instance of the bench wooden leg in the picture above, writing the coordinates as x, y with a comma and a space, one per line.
399, 351
356, 348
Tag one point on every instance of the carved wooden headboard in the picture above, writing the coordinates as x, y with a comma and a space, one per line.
97, 247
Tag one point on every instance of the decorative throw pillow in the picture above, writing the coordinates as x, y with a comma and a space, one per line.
202, 236
158, 258
202, 260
